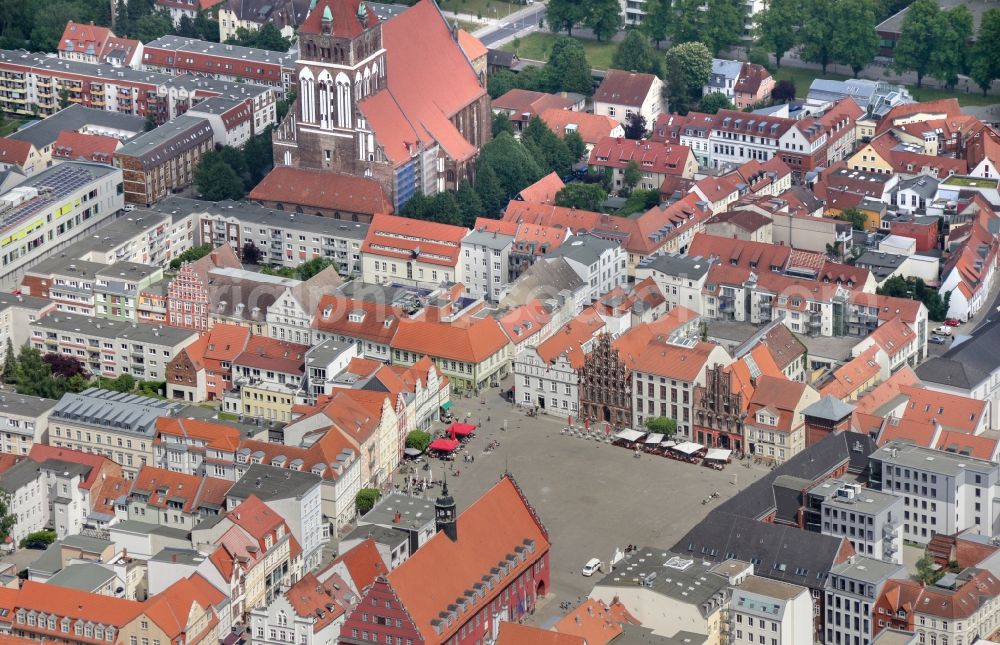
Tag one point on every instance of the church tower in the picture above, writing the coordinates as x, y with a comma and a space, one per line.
341, 62
445, 513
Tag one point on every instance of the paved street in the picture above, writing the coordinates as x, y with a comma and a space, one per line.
593, 497
507, 28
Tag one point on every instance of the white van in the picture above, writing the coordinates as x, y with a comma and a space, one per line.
943, 330
593, 566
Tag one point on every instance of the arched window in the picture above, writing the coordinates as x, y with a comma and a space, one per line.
308, 98
343, 101
325, 99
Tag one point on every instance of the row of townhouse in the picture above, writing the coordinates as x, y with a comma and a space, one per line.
731, 138
35, 83
179, 55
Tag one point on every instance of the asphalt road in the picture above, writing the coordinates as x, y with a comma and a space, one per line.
517, 24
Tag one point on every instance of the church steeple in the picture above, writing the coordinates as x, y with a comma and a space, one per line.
445, 514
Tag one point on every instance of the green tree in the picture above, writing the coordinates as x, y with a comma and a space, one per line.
984, 67
191, 255
723, 26
604, 17
926, 571
37, 539
313, 267
632, 174
502, 123
267, 37
205, 28
469, 204
587, 197
153, 26
960, 19
365, 499
713, 102
185, 27
490, 190
855, 217
923, 31
501, 82
258, 156
819, 29
33, 376
445, 209
124, 383
565, 14
575, 144
635, 126
550, 152
250, 253
635, 54
777, 27
784, 91
567, 69
512, 165
9, 363
48, 25
64, 97
639, 201
216, 180
418, 439
7, 518
662, 425
856, 40
234, 158
656, 21
688, 68
150, 123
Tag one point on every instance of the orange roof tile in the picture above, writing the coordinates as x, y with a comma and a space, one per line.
472, 46
976, 446
886, 391
571, 338
852, 375
353, 318
98, 463
591, 127
624, 88
75, 604
525, 321
162, 486
405, 238
516, 634
456, 566
520, 102
596, 622
88, 147
661, 158
363, 563
951, 411
14, 151
473, 341
317, 601
322, 189
916, 432
171, 608
273, 354
543, 191
215, 434
894, 337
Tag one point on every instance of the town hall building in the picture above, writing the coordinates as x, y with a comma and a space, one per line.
374, 101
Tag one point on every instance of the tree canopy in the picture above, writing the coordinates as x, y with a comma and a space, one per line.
587, 197
549, 151
718, 24
984, 66
777, 27
565, 14
712, 102
192, 254
216, 180
604, 17
267, 37
635, 54
688, 68
930, 43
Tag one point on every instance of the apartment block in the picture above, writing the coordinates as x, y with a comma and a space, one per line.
943, 492
852, 588
872, 520
52, 209
179, 55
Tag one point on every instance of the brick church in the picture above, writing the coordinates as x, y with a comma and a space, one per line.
397, 100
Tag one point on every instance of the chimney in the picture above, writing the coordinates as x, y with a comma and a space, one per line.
397, 518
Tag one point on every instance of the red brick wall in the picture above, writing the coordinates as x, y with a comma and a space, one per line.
926, 235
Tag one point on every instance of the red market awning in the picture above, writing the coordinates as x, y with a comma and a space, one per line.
444, 445
461, 429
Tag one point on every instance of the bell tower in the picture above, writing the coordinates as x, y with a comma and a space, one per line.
445, 514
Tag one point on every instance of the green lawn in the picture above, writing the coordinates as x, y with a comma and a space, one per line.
469, 26
479, 8
803, 78
537, 46
9, 126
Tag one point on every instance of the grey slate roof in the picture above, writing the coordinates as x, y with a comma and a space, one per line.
136, 332
25, 405
683, 266
543, 280
494, 241
19, 475
583, 248
45, 131
923, 185
180, 44
86, 576
415, 512
829, 408
169, 140
870, 570
777, 552
113, 411
380, 534
968, 363
270, 483
180, 556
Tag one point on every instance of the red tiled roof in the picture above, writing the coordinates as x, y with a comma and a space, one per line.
660, 158
273, 354
215, 435
472, 46
591, 127
976, 446
456, 566
516, 634
528, 102
947, 107
14, 151
316, 601
951, 411
894, 337
570, 338
363, 563
596, 622
89, 147
469, 341
624, 88
363, 319
322, 189
41, 452
171, 608
750, 79
75, 604
543, 191
84, 39
405, 238
851, 376
525, 321
162, 486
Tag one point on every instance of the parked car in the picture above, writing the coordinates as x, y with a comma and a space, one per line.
952, 322
593, 566
943, 330
936, 340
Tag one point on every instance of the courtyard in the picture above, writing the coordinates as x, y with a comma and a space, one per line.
592, 497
